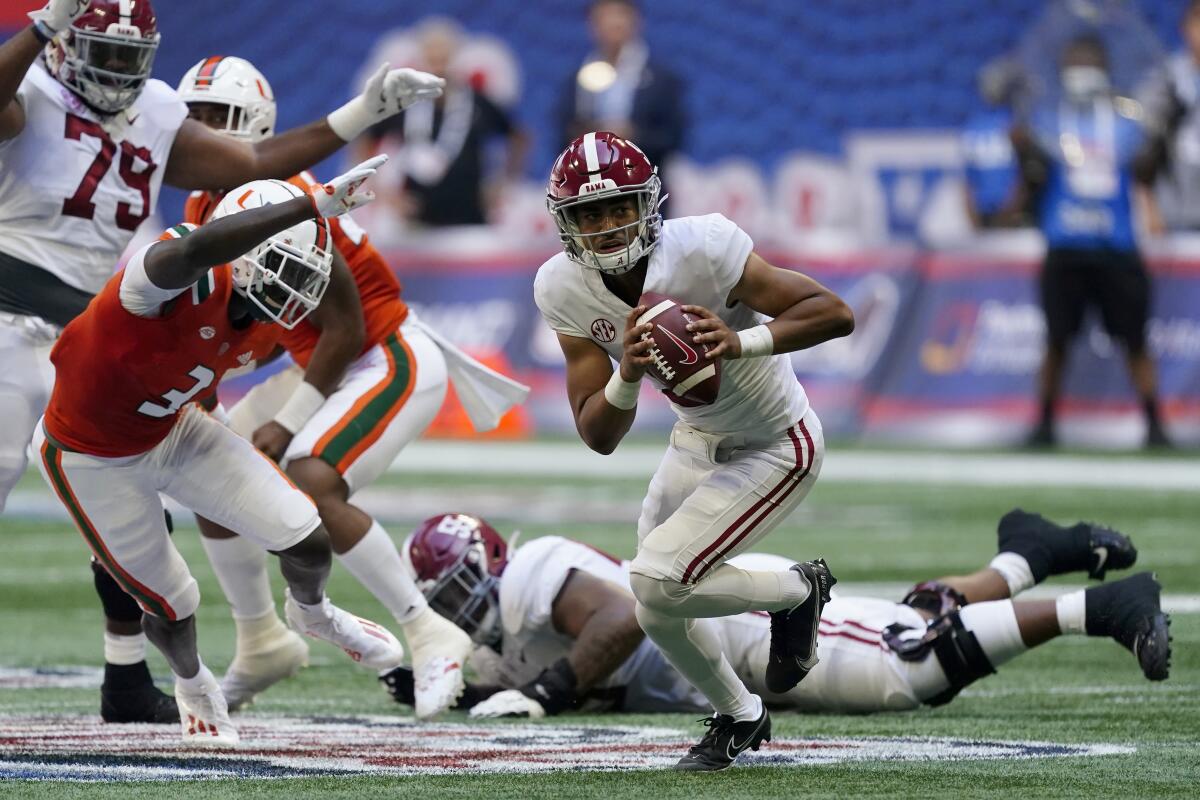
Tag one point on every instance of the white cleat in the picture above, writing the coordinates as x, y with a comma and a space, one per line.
276, 656
205, 719
368, 643
440, 649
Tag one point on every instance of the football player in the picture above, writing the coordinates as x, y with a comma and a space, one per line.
556, 628
357, 394
121, 425
87, 139
734, 468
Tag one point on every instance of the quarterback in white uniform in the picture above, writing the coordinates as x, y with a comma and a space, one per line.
555, 623
87, 139
736, 467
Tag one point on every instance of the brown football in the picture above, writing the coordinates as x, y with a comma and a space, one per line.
680, 366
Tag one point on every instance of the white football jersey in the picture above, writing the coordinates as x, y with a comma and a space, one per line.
698, 260
857, 671
75, 185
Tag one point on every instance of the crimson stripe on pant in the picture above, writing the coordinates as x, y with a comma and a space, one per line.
800, 467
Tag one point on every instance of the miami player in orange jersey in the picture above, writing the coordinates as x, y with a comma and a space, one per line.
121, 425
355, 397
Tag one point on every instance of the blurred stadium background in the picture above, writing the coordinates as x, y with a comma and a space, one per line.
830, 131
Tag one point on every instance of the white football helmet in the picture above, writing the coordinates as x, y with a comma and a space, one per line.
235, 83
286, 276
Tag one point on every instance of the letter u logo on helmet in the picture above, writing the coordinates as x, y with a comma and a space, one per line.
596, 167
286, 276
107, 54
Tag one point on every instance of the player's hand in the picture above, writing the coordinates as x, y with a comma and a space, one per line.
635, 359
509, 703
272, 439
400, 684
393, 90
712, 331
342, 193
56, 15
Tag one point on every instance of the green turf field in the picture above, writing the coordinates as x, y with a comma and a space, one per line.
1073, 690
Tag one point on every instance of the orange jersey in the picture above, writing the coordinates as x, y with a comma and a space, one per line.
378, 288
121, 379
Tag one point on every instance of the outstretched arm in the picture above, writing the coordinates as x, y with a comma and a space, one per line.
204, 159
20, 51
599, 616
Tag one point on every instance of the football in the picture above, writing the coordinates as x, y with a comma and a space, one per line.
680, 366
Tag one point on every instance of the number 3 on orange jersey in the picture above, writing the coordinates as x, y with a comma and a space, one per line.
175, 398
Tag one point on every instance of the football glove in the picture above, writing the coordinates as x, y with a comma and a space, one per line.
56, 15
509, 703
388, 92
400, 683
341, 194
550, 693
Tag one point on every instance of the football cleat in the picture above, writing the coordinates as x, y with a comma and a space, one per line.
794, 631
440, 649
367, 643
128, 694
204, 718
1130, 611
1051, 549
725, 740
278, 655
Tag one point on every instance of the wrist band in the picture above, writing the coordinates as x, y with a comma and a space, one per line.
300, 407
350, 120
756, 341
621, 393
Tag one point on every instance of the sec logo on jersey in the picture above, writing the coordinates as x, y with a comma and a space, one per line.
603, 330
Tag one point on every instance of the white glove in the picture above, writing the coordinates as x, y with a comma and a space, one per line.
341, 194
509, 703
387, 92
58, 14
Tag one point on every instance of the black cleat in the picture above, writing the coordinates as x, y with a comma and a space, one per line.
1052, 549
1130, 611
1041, 437
129, 695
725, 741
794, 632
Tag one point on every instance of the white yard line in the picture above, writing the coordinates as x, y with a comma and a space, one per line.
573, 460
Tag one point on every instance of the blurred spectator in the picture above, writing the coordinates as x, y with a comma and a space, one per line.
1175, 118
1080, 158
619, 88
992, 174
441, 148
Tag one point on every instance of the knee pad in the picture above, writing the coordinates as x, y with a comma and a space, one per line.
118, 606
956, 649
662, 595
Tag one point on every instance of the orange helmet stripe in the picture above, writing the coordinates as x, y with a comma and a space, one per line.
204, 77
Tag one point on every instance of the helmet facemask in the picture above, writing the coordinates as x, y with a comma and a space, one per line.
108, 70
469, 596
284, 281
645, 229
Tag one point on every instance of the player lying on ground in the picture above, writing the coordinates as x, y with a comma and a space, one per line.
366, 382
737, 464
556, 625
87, 139
121, 425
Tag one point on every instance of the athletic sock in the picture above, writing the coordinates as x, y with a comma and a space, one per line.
994, 624
255, 632
377, 565
124, 650
200, 683
1071, 609
1015, 570
241, 569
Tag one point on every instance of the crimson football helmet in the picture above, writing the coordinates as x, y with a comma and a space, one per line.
106, 55
599, 166
456, 561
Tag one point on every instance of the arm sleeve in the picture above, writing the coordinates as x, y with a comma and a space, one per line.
546, 304
138, 295
726, 247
